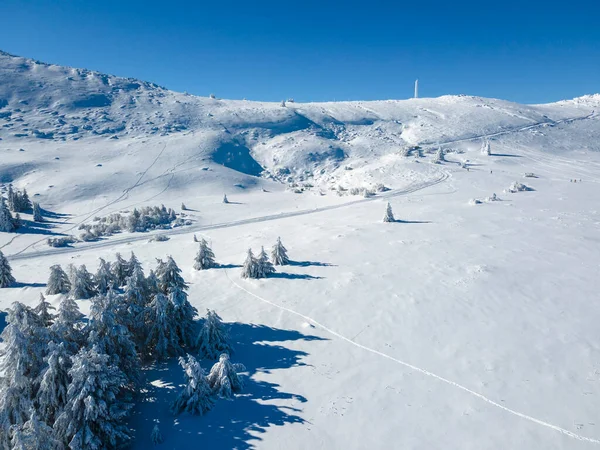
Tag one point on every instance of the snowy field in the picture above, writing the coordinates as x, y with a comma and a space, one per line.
459, 326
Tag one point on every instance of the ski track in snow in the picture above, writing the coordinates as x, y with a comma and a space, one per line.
420, 370
20, 255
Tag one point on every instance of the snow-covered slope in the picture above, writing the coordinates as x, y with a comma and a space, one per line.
464, 327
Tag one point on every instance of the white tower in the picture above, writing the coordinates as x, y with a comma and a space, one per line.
417, 88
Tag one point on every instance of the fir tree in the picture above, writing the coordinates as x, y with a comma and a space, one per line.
389, 215
264, 266
156, 437
6, 278
279, 254
169, 276
94, 417
162, 340
35, 434
17, 222
37, 213
250, 267
223, 378
68, 325
183, 207
486, 148
11, 198
104, 278
120, 270
152, 284
196, 397
42, 310
113, 338
25, 203
82, 283
52, 394
225, 198
183, 314
135, 296
213, 338
6, 220
205, 259
196, 238
58, 282
439, 156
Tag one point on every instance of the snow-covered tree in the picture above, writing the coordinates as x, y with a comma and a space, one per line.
42, 310
109, 335
94, 416
25, 203
156, 437
6, 278
52, 394
152, 284
213, 338
11, 198
389, 215
205, 259
68, 325
439, 156
82, 283
183, 207
183, 313
135, 297
283, 103
196, 397
162, 340
196, 238
264, 266
486, 148
35, 434
58, 282
223, 378
6, 220
250, 267
104, 278
225, 198
279, 254
120, 270
132, 264
37, 213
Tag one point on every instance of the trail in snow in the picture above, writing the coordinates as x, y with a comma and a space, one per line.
418, 369
20, 255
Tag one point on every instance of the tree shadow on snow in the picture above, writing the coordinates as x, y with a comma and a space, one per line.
54, 215
506, 155
227, 266
294, 276
310, 263
18, 284
44, 228
411, 221
229, 424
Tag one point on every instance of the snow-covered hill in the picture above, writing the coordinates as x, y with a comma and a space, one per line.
466, 326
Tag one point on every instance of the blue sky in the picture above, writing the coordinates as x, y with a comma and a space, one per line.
528, 51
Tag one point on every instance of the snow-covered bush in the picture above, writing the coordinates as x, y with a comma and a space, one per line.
474, 201
197, 396
518, 187
492, 198
159, 238
224, 378
61, 241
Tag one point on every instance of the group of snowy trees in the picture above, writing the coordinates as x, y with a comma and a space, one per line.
138, 220
70, 383
261, 266
18, 201
8, 223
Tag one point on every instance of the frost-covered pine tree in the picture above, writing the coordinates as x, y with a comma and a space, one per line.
279, 254
120, 270
223, 378
94, 416
389, 215
162, 340
132, 264
213, 338
196, 238
43, 311
6, 220
52, 394
439, 156
183, 314
250, 267
110, 336
35, 434
205, 259
68, 325
11, 198
486, 148
58, 282
136, 296
37, 213
156, 437
82, 283
152, 284
264, 266
196, 397
25, 203
183, 207
104, 278
6, 278
225, 198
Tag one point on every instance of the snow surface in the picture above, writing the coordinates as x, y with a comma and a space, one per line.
455, 327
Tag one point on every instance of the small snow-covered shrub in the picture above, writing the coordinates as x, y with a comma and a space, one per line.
530, 175
474, 201
61, 242
159, 238
380, 187
518, 187
492, 198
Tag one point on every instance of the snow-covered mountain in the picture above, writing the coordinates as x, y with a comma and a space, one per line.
470, 322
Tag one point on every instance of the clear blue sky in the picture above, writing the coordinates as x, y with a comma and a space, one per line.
528, 51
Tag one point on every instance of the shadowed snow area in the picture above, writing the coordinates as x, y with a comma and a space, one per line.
454, 326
